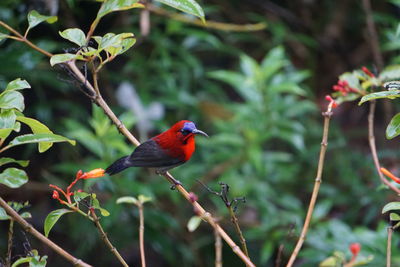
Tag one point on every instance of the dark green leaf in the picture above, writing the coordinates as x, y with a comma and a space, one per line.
4, 161
52, 218
34, 18
391, 206
13, 177
61, 58
383, 94
393, 129
17, 84
37, 138
37, 128
187, 6
109, 6
12, 99
74, 35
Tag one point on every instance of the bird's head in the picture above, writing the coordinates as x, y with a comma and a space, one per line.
186, 129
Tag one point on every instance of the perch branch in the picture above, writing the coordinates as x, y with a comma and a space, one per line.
30, 229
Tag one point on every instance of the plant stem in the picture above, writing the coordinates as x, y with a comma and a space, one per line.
10, 242
105, 238
141, 234
324, 144
218, 250
235, 222
389, 246
30, 229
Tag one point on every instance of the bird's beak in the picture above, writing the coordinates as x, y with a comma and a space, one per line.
195, 131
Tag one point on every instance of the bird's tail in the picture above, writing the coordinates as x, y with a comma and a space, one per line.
119, 165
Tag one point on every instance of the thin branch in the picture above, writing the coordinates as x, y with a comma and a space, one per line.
141, 234
235, 222
105, 238
121, 127
209, 24
389, 246
30, 229
324, 144
372, 145
10, 243
218, 250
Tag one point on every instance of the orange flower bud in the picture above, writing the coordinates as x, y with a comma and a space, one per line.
355, 248
390, 175
99, 172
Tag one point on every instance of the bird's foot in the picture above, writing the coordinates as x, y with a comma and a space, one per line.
176, 182
172, 179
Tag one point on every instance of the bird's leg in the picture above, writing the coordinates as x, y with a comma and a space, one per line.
170, 178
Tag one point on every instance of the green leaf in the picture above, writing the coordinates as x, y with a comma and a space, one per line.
17, 84
109, 6
34, 18
7, 119
393, 129
143, 199
4, 133
13, 177
22, 163
37, 128
193, 223
330, 262
37, 138
52, 218
3, 215
12, 99
96, 205
391, 206
187, 6
394, 216
78, 196
61, 58
390, 73
383, 94
21, 261
74, 35
128, 200
26, 215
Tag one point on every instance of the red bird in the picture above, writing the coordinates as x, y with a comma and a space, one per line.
165, 151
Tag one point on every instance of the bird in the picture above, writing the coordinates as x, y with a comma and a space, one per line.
163, 152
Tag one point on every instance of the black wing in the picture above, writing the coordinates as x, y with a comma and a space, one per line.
150, 154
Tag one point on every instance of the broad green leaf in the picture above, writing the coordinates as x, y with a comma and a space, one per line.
61, 58
34, 18
74, 35
7, 119
193, 223
78, 196
187, 6
17, 84
37, 128
128, 200
26, 215
391, 206
96, 205
37, 138
383, 94
4, 133
52, 218
109, 6
330, 262
125, 45
3, 215
394, 216
12, 99
393, 129
13, 177
21, 261
22, 163
38, 261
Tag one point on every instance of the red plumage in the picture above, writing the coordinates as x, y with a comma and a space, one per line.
167, 150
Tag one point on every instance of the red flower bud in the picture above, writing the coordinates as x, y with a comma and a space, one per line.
337, 88
331, 100
367, 71
55, 194
355, 248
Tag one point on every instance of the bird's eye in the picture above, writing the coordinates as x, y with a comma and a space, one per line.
184, 131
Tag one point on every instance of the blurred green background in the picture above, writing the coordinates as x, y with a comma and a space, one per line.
259, 96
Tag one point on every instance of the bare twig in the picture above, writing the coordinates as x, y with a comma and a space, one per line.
30, 229
105, 238
141, 234
218, 250
121, 127
9, 243
324, 144
389, 246
210, 24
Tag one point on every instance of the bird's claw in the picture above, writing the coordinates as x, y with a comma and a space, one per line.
176, 183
